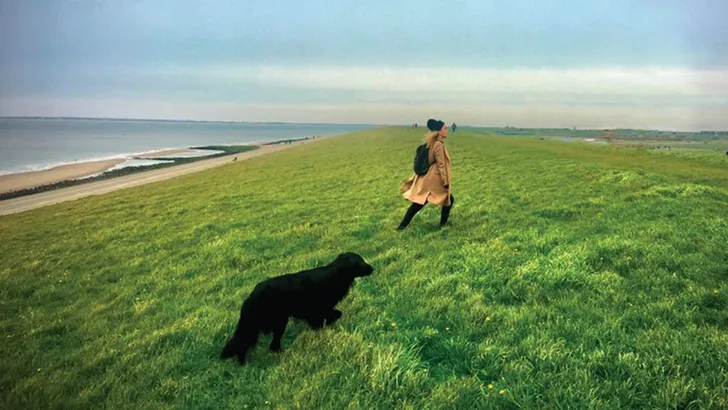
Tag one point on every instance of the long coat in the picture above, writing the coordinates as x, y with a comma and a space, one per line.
431, 186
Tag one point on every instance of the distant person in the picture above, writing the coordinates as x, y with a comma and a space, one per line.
434, 186
454, 127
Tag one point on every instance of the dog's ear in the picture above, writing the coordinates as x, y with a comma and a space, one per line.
344, 259
338, 261
357, 265
353, 264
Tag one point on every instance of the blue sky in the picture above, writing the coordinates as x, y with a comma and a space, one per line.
639, 63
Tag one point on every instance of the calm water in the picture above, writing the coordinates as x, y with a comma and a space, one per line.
31, 144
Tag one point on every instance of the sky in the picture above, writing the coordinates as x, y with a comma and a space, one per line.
543, 63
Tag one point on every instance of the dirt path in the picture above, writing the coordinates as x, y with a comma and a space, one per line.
28, 202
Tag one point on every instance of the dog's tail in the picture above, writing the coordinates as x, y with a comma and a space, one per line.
245, 336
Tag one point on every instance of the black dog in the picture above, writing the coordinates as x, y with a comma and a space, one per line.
309, 295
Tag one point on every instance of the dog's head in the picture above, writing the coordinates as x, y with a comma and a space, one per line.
353, 264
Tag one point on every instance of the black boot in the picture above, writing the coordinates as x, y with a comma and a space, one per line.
413, 209
445, 213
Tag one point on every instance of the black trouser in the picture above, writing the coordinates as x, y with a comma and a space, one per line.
414, 208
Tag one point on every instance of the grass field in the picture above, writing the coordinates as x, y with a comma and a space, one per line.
572, 276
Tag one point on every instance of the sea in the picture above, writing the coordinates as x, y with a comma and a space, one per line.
31, 144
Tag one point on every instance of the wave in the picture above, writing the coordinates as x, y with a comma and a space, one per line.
128, 156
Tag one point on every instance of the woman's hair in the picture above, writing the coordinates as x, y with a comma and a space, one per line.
431, 137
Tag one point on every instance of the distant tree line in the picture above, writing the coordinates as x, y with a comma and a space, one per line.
623, 134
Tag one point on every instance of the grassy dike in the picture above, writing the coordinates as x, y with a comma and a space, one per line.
573, 275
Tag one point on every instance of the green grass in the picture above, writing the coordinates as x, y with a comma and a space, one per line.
573, 276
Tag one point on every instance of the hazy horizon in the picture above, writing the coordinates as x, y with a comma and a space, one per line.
422, 124
556, 64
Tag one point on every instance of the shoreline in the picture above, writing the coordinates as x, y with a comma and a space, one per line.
83, 189
60, 176
31, 179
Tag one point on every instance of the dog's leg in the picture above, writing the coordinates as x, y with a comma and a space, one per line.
239, 346
332, 316
230, 350
278, 328
316, 322
248, 343
245, 337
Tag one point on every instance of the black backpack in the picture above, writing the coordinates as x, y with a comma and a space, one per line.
422, 161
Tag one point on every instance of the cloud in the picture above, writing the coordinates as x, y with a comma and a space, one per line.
648, 97
628, 81
539, 83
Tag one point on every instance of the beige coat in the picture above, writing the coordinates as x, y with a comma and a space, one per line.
431, 187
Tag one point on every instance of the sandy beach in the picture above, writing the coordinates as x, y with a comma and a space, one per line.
32, 179
14, 182
28, 202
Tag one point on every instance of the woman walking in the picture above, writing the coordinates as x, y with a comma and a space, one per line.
434, 186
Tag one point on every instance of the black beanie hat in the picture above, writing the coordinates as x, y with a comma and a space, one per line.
435, 125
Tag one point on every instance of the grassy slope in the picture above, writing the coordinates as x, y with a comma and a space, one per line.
573, 275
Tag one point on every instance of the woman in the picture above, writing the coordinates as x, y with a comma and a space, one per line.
433, 187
